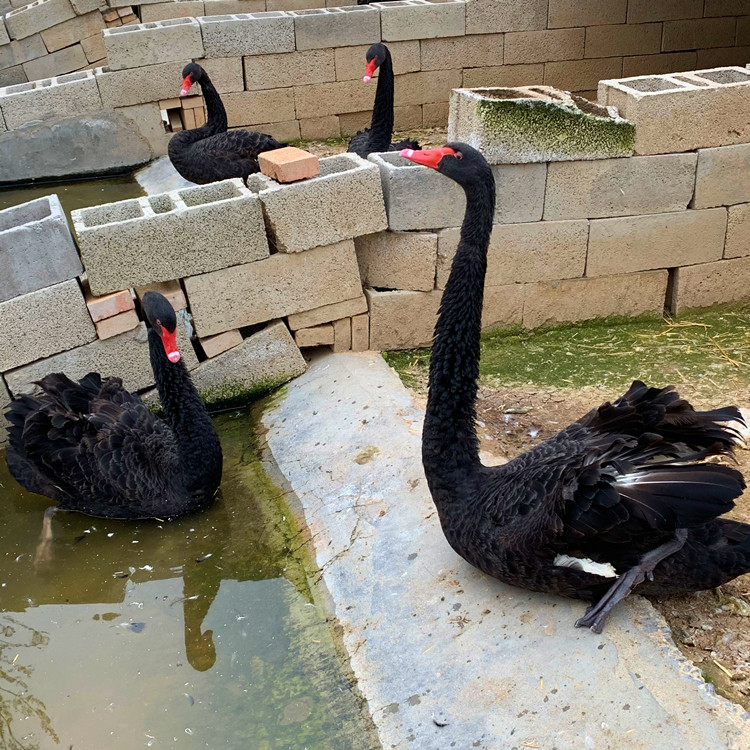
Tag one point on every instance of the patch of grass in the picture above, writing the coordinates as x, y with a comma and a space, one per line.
702, 347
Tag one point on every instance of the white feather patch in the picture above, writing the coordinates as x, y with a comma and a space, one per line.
605, 570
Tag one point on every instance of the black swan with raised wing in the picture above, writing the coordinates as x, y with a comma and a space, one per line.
95, 448
378, 136
617, 500
211, 152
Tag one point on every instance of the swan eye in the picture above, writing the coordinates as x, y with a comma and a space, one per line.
459, 155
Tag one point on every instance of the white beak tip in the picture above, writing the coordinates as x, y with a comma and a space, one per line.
174, 356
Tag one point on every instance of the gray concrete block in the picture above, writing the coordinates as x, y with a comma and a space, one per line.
316, 336
81, 145
619, 187
273, 288
345, 201
710, 284
178, 9
158, 238
12, 76
247, 34
723, 176
123, 88
124, 356
43, 322
36, 247
16, 53
71, 94
536, 124
4, 38
134, 46
398, 260
39, 15
73, 31
421, 19
328, 313
402, 319
57, 63
319, 28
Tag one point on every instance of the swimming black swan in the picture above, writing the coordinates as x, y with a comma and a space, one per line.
620, 487
95, 448
378, 136
211, 152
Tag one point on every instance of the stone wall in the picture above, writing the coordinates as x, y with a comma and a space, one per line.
297, 72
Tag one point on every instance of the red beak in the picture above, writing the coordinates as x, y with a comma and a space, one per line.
186, 84
370, 70
429, 157
170, 344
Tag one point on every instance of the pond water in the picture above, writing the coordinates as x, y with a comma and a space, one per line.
200, 633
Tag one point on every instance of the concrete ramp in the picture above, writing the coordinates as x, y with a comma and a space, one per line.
444, 656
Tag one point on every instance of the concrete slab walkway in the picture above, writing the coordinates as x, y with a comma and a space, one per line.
444, 656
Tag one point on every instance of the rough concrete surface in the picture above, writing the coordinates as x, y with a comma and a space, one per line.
444, 656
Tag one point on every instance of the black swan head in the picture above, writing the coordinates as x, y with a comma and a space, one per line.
459, 161
191, 73
160, 317
375, 57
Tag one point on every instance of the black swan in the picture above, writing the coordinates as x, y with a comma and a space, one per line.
95, 448
211, 152
614, 499
378, 136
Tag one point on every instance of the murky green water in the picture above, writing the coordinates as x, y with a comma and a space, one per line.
199, 633
79, 194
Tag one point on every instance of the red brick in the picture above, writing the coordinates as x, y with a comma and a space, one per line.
289, 164
221, 342
109, 327
109, 305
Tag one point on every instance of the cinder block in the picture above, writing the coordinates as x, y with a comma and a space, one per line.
542, 251
125, 356
410, 117
710, 284
350, 61
738, 231
686, 111
255, 107
273, 288
289, 164
401, 319
13, 76
72, 31
352, 122
36, 247
668, 62
234, 7
581, 75
426, 87
221, 342
641, 11
179, 9
568, 13
421, 19
93, 48
4, 39
147, 118
725, 8
281, 131
524, 125
169, 289
262, 362
39, 15
342, 335
698, 33
398, 260
317, 336
623, 39
321, 99
503, 305
16, 53
289, 69
56, 64
81, 7
318, 28
195, 230
619, 187
225, 72
328, 313
109, 305
360, 333
544, 46
320, 128
478, 50
491, 16
61, 321
71, 94
117, 324
247, 34
601, 297
153, 43
627, 244
122, 88
503, 75
723, 176
417, 198
345, 201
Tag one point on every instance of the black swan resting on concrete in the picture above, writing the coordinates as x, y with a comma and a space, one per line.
622, 486
211, 152
378, 136
95, 448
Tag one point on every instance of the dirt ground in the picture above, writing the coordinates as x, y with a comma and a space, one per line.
712, 628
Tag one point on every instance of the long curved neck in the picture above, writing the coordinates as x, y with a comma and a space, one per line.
216, 120
197, 442
381, 125
449, 439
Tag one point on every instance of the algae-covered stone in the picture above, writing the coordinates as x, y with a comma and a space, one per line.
536, 124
